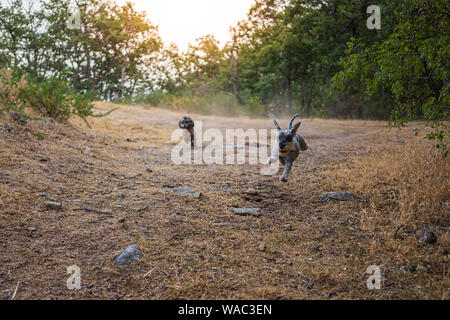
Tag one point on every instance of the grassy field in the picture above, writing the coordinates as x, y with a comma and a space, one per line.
299, 248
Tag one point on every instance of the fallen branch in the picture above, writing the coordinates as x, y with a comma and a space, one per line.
396, 231
15, 291
172, 236
148, 273
93, 210
142, 209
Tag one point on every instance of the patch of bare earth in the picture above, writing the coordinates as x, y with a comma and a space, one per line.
299, 248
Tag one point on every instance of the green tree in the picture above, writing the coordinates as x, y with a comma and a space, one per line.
411, 63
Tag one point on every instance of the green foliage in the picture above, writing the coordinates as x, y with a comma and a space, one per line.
313, 57
53, 98
255, 107
39, 135
112, 52
411, 64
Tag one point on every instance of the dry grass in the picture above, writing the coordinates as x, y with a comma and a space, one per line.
9, 90
196, 247
412, 181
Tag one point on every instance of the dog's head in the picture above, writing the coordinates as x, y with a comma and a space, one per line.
286, 137
186, 123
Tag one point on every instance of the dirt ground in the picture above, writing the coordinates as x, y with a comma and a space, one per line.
197, 248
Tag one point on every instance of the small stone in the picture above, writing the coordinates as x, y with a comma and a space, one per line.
132, 175
185, 191
88, 149
262, 247
423, 269
443, 250
410, 268
38, 158
7, 292
426, 236
45, 194
32, 229
129, 255
54, 164
222, 190
251, 191
62, 190
16, 117
247, 211
149, 170
121, 220
288, 227
121, 196
429, 237
53, 205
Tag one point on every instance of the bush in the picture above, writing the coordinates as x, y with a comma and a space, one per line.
255, 106
55, 99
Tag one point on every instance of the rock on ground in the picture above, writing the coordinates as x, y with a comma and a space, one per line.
251, 191
247, 211
53, 205
129, 255
340, 196
426, 236
185, 191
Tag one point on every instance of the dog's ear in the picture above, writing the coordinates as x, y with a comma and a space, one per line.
276, 124
295, 128
292, 121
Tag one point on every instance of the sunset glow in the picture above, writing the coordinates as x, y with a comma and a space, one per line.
182, 21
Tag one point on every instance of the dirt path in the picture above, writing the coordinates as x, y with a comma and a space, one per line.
193, 247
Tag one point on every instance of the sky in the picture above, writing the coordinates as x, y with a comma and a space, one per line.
183, 21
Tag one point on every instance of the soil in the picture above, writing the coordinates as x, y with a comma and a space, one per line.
120, 169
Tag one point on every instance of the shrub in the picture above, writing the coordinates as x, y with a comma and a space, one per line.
55, 99
255, 106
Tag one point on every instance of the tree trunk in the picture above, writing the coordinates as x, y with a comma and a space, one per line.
289, 93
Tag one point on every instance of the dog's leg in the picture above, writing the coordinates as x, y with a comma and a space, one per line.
273, 155
287, 169
191, 132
